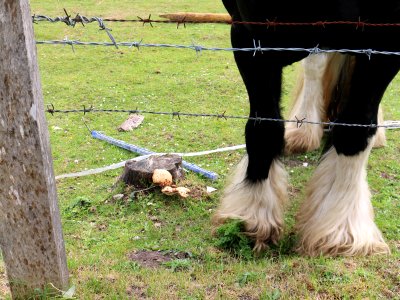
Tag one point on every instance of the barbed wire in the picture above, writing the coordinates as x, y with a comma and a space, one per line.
299, 122
68, 20
199, 48
78, 19
85, 20
183, 20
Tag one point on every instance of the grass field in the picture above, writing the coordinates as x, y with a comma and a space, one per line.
106, 238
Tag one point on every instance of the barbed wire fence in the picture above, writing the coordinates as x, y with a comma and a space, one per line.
257, 47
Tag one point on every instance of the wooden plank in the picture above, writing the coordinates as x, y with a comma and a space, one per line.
30, 228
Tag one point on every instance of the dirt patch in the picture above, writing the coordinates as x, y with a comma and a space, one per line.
294, 163
154, 259
136, 291
387, 176
397, 244
246, 297
4, 285
197, 192
293, 191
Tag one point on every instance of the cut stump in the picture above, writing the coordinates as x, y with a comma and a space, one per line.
138, 173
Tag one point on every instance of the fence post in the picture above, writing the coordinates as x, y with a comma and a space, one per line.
30, 229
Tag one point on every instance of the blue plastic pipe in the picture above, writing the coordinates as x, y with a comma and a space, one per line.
143, 151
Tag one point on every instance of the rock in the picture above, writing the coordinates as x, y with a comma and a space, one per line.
210, 189
131, 123
118, 197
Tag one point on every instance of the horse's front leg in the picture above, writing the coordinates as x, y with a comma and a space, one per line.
337, 216
257, 191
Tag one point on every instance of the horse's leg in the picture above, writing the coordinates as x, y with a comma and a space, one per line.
380, 137
318, 78
337, 217
312, 97
308, 104
258, 189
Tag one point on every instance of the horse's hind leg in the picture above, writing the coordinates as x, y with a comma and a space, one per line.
337, 217
380, 136
317, 79
258, 190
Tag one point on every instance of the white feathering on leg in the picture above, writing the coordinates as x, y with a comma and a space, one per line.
380, 136
259, 205
309, 104
337, 217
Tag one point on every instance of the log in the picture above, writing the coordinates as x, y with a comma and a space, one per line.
197, 17
139, 173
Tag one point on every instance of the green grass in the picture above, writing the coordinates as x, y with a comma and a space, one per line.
100, 233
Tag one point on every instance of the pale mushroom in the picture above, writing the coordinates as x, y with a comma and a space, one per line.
181, 191
162, 177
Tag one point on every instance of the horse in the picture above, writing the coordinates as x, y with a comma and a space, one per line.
336, 218
312, 100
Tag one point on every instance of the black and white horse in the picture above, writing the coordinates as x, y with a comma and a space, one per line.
336, 218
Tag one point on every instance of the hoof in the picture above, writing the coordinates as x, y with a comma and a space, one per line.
260, 205
303, 139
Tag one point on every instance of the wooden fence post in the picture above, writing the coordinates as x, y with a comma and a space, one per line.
30, 229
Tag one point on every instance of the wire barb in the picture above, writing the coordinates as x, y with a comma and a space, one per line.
50, 109
360, 24
148, 20
66, 41
257, 119
177, 113
299, 122
34, 19
87, 110
136, 111
315, 50
182, 21
222, 116
257, 48
271, 24
79, 19
331, 125
67, 19
368, 52
320, 24
197, 48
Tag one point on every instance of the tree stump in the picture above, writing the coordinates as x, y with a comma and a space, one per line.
139, 173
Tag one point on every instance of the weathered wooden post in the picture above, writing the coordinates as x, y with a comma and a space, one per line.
30, 229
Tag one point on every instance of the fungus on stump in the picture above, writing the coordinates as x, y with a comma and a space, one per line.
141, 172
